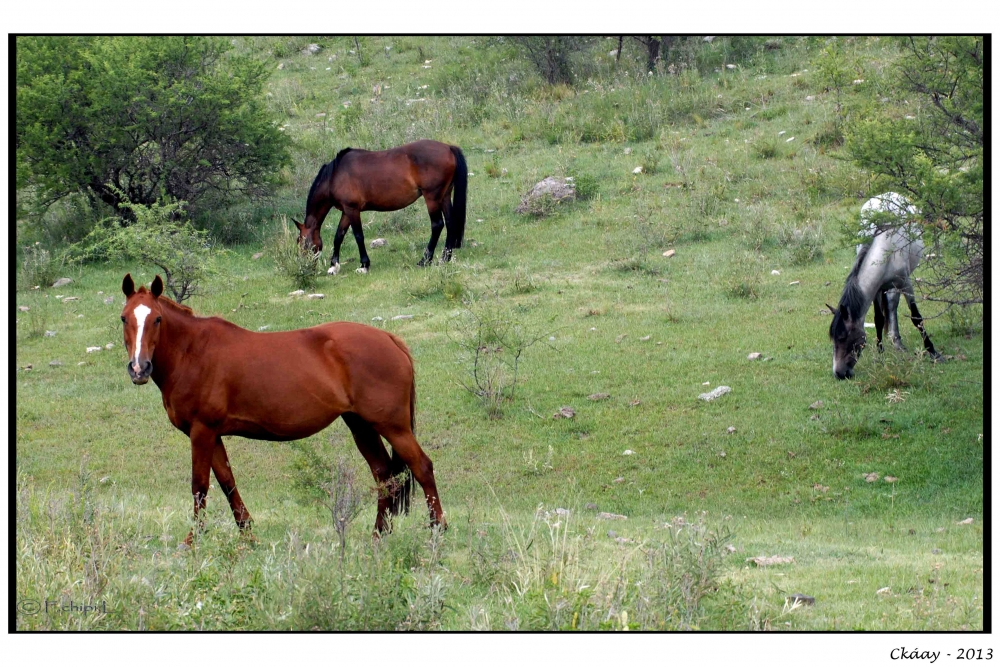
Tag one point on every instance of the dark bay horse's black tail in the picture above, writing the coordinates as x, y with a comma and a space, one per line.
456, 223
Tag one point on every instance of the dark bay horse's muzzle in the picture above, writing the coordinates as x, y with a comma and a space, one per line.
142, 375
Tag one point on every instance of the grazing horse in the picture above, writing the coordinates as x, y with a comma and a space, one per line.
359, 180
218, 379
880, 274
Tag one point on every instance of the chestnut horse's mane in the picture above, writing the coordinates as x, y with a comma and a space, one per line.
169, 302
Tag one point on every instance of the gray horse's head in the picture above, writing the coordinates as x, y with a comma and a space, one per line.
848, 335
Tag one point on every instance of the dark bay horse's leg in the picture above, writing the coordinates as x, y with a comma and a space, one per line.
359, 236
434, 210
918, 322
345, 222
449, 240
370, 445
892, 305
879, 304
203, 443
404, 444
227, 482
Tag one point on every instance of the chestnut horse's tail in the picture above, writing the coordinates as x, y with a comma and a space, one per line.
456, 225
401, 500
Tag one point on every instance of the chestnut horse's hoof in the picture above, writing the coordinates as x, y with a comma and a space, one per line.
334, 270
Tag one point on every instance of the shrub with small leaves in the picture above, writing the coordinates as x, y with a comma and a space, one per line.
38, 268
297, 263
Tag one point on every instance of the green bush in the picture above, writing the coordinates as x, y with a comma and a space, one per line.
38, 267
299, 264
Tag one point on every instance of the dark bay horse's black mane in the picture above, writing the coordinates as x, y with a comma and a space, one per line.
853, 298
326, 172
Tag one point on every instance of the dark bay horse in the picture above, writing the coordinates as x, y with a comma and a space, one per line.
359, 180
881, 273
218, 379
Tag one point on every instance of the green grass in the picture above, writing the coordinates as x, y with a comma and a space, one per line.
791, 481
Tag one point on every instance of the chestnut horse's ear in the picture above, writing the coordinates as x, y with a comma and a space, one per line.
297, 224
157, 287
128, 287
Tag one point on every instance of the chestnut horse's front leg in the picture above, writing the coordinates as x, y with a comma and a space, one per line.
227, 481
203, 442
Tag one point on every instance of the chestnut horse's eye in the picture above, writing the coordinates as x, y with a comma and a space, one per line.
123, 319
158, 320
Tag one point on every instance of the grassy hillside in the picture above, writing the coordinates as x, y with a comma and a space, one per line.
740, 177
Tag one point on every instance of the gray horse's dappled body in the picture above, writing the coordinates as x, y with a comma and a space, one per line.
881, 273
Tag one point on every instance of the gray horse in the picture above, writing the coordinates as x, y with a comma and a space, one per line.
880, 275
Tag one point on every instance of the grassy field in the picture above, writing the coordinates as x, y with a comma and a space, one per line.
740, 177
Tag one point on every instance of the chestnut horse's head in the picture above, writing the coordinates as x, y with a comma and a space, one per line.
141, 317
309, 236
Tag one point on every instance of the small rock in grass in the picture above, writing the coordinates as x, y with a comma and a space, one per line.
706, 384
634, 402
264, 327
645, 338
298, 292
55, 362
890, 479
754, 356
965, 522
94, 349
715, 393
620, 338
61, 282
628, 452
564, 412
71, 298
110, 300
50, 334
624, 540
377, 243
731, 430
257, 255
106, 480
795, 282
599, 397
800, 599
591, 506
670, 253
637, 170
619, 480
560, 511
24, 309
81, 363
816, 406
402, 317
627, 151
884, 591
722, 455
608, 516
315, 296
775, 272
764, 561
871, 477
109, 346
377, 319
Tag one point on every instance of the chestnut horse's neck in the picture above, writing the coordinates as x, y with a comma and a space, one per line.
179, 329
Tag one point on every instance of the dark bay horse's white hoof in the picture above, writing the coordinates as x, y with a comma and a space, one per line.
334, 270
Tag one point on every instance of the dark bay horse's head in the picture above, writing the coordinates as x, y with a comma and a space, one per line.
141, 317
848, 336
309, 235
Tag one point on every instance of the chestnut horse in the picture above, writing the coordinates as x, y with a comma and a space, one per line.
219, 379
359, 180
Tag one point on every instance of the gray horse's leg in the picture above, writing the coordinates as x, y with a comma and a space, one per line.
892, 320
918, 322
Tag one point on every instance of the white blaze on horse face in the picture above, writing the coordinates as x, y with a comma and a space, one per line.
141, 312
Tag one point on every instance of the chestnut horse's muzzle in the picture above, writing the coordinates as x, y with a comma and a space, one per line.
142, 375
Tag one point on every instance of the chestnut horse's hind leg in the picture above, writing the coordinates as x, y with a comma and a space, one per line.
435, 211
404, 445
370, 445
224, 475
202, 450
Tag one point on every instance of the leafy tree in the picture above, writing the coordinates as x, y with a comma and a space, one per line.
932, 152
140, 118
159, 236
